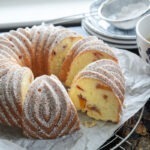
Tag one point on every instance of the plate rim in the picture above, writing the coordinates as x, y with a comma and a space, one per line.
110, 39
120, 46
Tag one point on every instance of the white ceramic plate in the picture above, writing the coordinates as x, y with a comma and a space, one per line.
90, 27
121, 46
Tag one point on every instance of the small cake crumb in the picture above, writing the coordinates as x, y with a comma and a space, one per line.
124, 106
89, 124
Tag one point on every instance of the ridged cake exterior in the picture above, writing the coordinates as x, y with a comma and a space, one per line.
48, 111
84, 52
42, 46
99, 90
13, 88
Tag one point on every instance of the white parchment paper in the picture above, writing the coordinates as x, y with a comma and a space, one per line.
137, 75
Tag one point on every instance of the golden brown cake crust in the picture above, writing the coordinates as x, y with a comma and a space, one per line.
48, 116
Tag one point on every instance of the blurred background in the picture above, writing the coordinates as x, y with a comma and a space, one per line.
26, 11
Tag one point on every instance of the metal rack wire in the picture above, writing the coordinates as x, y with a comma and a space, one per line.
118, 142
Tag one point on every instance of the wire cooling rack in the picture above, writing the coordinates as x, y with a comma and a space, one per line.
117, 141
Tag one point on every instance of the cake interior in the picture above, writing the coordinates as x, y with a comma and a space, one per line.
96, 99
81, 60
59, 53
25, 84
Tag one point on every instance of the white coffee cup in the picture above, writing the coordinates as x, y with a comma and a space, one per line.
143, 37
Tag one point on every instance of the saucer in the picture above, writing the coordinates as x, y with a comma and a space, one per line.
117, 45
89, 26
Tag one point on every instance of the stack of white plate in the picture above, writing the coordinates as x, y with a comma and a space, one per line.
115, 37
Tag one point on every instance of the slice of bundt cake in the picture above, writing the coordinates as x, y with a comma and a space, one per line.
13, 87
61, 45
84, 52
98, 90
48, 111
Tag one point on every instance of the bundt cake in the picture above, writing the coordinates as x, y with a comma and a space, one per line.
83, 52
99, 90
36, 101
48, 111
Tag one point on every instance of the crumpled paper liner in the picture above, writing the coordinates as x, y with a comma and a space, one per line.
137, 75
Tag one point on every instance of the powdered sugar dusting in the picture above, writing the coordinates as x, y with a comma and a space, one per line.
45, 112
